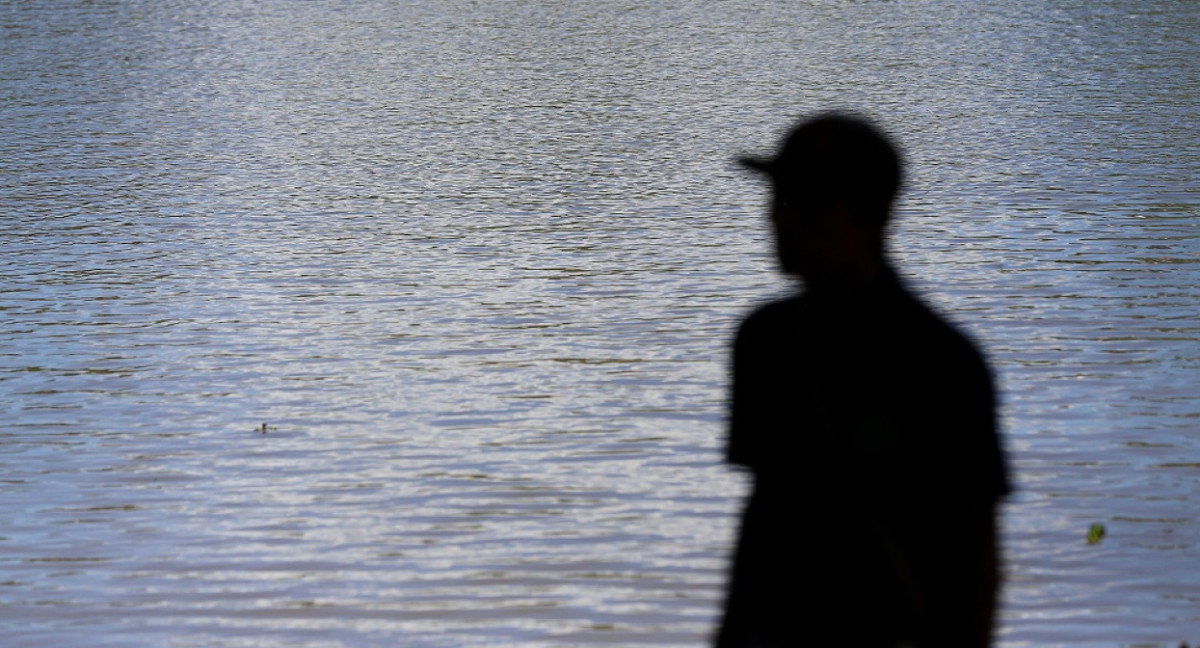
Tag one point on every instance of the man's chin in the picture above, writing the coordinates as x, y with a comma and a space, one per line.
790, 267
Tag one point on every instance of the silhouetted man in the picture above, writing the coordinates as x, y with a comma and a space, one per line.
868, 423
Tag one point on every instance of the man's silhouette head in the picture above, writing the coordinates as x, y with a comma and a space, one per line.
834, 180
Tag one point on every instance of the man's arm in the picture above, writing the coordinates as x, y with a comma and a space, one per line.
989, 577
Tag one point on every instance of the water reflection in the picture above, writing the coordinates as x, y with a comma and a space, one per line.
420, 240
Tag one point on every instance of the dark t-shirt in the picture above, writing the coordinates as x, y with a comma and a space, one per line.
869, 425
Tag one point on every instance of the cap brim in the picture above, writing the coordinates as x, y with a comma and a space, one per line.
762, 165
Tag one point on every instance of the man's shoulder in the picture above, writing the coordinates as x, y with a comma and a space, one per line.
776, 316
936, 326
952, 363
781, 308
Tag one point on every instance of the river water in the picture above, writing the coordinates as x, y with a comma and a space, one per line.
474, 266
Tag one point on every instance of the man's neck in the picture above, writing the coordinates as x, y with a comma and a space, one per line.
860, 276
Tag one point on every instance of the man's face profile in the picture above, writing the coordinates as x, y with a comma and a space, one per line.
819, 239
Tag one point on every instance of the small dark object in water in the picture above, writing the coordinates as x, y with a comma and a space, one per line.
1095, 534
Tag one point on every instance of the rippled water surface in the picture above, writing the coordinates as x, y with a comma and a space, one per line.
383, 323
